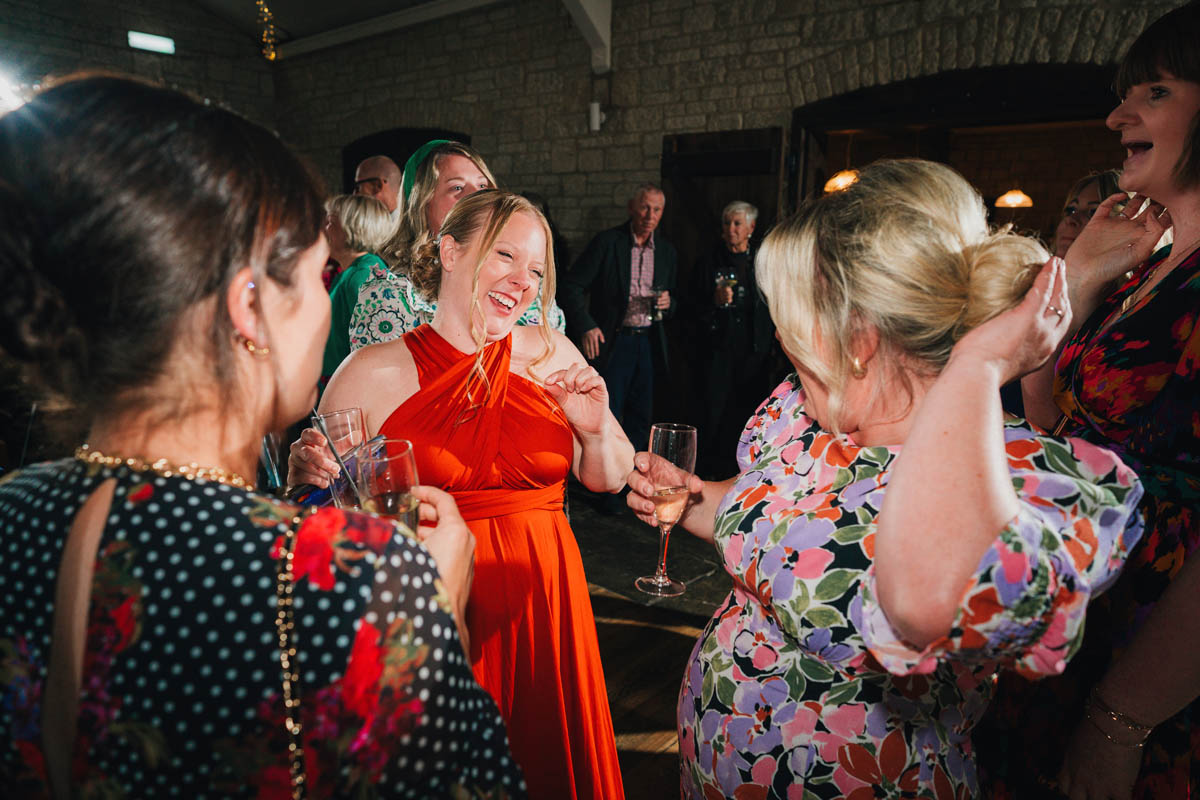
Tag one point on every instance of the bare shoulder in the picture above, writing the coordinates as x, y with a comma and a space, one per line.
376, 378
529, 346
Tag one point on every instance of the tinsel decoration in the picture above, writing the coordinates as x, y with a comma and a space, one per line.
266, 24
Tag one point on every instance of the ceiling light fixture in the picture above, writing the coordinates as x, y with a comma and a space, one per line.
1014, 198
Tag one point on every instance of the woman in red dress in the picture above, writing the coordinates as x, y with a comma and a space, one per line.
498, 414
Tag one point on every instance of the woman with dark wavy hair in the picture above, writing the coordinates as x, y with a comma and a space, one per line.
1128, 378
164, 628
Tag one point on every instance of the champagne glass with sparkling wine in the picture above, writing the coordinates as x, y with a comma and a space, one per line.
386, 480
675, 445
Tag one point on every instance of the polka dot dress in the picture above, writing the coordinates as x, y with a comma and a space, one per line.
182, 682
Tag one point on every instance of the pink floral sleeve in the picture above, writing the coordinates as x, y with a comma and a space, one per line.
1026, 601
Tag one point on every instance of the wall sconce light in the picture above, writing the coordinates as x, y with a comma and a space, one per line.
1014, 198
596, 117
151, 42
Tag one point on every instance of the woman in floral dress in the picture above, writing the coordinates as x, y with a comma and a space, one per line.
892, 540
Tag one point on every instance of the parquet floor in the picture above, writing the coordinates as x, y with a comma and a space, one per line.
644, 642
644, 651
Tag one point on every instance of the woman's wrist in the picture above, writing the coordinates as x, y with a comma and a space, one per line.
1117, 726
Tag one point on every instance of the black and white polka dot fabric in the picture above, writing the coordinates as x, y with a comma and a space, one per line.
182, 682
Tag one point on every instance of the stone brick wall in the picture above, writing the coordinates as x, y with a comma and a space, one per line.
212, 59
517, 77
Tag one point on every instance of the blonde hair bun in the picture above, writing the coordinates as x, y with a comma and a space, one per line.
905, 250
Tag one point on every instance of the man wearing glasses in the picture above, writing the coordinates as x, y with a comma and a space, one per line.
379, 177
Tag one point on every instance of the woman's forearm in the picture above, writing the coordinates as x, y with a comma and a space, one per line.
1160, 672
1037, 394
948, 496
700, 517
604, 458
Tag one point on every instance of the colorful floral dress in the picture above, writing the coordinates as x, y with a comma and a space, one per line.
389, 306
1126, 381
800, 689
181, 690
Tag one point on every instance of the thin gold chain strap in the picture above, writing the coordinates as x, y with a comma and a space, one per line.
285, 624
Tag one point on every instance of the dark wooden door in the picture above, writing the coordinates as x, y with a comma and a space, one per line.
701, 174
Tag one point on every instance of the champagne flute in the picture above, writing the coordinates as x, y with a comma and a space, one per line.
386, 477
676, 445
347, 429
656, 313
727, 280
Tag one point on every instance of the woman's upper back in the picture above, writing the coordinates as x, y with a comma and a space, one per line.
181, 688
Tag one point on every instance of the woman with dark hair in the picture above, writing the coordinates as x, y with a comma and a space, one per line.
1128, 378
164, 629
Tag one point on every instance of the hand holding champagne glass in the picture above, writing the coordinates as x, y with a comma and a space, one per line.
386, 480
673, 449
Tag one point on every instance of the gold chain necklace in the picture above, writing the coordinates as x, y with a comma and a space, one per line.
284, 624
191, 472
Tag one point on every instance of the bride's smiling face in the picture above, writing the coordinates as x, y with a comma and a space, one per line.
509, 274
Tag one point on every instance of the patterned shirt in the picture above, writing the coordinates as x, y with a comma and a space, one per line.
389, 306
641, 283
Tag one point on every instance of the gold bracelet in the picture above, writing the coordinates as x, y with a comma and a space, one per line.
1116, 716
1138, 745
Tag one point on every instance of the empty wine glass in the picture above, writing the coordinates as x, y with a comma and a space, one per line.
347, 429
675, 448
386, 477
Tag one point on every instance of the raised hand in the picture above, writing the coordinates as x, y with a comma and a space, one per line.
583, 395
1021, 339
1112, 243
309, 460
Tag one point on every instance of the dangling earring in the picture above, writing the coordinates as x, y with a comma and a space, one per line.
251, 347
857, 369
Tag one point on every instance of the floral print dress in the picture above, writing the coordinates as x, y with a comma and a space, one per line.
1129, 380
800, 689
181, 689
389, 306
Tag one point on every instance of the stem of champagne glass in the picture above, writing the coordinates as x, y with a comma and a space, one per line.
660, 574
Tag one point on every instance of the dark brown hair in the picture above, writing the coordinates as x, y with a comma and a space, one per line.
125, 207
1170, 46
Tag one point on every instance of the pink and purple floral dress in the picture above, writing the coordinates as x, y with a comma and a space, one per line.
800, 689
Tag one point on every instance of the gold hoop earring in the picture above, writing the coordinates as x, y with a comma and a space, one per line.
857, 369
252, 348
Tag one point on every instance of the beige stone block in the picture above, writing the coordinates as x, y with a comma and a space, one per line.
700, 18
591, 161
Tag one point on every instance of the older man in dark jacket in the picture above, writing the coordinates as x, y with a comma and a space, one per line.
615, 297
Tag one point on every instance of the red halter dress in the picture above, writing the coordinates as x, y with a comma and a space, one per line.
533, 635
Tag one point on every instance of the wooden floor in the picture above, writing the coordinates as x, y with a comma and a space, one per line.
644, 651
